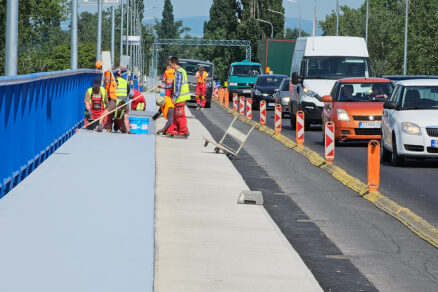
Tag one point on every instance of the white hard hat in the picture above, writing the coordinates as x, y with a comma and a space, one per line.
160, 101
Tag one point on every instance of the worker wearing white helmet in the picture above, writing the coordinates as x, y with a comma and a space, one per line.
167, 108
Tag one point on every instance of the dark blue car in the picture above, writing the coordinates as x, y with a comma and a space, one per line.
264, 89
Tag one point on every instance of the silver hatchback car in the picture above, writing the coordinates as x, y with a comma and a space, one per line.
282, 96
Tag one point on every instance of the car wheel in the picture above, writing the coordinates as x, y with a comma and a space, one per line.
396, 159
385, 154
306, 125
208, 104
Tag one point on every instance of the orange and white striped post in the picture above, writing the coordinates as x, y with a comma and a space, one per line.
300, 128
227, 97
215, 93
373, 165
249, 108
329, 138
263, 112
235, 100
242, 106
277, 118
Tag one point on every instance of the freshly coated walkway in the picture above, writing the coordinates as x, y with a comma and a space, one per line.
205, 241
83, 220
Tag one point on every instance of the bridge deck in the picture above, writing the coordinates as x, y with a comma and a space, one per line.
83, 221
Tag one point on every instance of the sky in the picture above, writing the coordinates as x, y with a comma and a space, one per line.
186, 8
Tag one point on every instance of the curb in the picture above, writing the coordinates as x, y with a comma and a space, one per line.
415, 223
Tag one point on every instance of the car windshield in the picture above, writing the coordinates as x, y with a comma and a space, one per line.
367, 91
246, 70
419, 97
269, 81
192, 67
336, 67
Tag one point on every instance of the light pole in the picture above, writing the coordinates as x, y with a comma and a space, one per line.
299, 17
99, 31
282, 14
337, 17
113, 16
74, 35
11, 37
272, 27
405, 55
314, 19
366, 22
121, 28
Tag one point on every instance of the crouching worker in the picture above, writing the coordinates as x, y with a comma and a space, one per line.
167, 108
95, 106
138, 103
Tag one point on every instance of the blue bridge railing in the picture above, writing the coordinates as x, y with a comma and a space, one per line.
38, 113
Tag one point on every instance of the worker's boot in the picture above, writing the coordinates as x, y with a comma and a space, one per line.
198, 103
99, 128
203, 102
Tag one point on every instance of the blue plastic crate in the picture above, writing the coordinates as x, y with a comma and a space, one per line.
139, 125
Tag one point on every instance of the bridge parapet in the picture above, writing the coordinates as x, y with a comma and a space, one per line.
38, 113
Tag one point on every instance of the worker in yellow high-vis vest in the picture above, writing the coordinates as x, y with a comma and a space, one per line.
121, 117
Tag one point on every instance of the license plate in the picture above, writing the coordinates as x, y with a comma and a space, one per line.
434, 143
271, 103
246, 91
369, 124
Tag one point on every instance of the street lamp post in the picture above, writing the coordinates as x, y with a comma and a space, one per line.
113, 16
337, 17
314, 19
278, 12
11, 37
299, 17
74, 35
405, 55
272, 27
121, 28
99, 31
366, 22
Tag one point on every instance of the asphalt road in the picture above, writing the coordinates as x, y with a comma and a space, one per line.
347, 242
414, 185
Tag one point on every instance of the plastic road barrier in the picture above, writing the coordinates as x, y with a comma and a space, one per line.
235, 98
329, 142
227, 97
263, 112
373, 165
242, 106
277, 118
249, 108
221, 95
300, 128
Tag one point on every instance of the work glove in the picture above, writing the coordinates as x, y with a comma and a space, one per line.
160, 132
90, 114
155, 117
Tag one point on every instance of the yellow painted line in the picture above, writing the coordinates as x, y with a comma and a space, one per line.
415, 223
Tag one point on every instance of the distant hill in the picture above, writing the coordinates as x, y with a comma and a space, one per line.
196, 24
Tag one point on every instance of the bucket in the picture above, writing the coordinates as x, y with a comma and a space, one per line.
139, 125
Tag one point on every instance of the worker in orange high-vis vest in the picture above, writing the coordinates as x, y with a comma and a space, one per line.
111, 93
201, 86
168, 77
167, 108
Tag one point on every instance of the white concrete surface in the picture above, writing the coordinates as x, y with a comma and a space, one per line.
205, 241
83, 220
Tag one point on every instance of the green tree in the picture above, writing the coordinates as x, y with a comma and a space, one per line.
292, 34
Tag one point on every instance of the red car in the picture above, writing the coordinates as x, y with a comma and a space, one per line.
355, 106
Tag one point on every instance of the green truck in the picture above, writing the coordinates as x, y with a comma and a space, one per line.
276, 54
242, 76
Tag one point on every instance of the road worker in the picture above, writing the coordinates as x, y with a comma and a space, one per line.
98, 65
168, 78
181, 93
201, 86
167, 108
95, 105
138, 103
120, 116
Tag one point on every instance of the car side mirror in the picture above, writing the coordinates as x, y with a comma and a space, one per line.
389, 105
276, 90
327, 98
294, 78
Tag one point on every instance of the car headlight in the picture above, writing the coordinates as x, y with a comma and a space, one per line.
343, 115
233, 83
285, 99
310, 93
257, 92
410, 128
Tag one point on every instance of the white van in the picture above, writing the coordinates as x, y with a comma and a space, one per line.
316, 65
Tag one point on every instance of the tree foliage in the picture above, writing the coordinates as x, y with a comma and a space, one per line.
386, 34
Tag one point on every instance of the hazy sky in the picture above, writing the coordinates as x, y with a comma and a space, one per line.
184, 8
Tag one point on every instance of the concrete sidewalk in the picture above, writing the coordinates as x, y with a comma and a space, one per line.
204, 240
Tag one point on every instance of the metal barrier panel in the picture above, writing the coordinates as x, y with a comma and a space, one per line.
38, 113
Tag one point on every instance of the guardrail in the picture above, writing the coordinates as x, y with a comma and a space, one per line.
38, 113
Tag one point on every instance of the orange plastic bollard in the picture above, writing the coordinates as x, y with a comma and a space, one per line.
235, 101
227, 98
221, 95
329, 138
278, 118
300, 128
373, 165
263, 112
